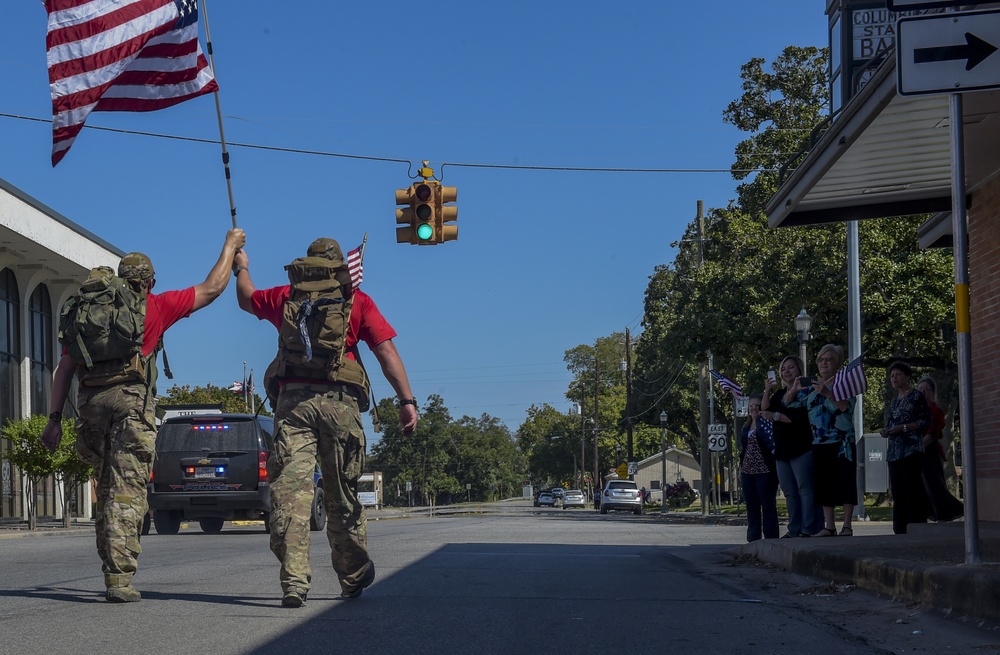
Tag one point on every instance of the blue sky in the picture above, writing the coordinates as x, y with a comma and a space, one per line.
545, 261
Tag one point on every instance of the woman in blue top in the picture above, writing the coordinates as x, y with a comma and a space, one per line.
832, 421
905, 426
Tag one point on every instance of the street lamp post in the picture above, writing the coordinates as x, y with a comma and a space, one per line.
803, 323
663, 472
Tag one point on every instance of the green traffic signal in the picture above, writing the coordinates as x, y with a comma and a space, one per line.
425, 231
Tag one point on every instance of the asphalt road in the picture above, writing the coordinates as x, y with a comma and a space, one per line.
521, 580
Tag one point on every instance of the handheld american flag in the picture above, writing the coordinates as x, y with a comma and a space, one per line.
849, 381
120, 55
355, 259
727, 384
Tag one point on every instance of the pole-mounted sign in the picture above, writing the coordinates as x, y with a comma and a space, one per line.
948, 53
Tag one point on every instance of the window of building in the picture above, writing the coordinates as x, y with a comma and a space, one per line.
41, 349
10, 356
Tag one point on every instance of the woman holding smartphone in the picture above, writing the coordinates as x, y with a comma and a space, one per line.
793, 449
833, 446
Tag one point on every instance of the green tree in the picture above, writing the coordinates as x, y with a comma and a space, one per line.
29, 454
68, 468
735, 293
212, 395
443, 455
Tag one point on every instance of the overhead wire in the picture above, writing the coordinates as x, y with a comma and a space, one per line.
323, 153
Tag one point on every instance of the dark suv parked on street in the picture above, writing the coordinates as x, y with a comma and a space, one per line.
211, 468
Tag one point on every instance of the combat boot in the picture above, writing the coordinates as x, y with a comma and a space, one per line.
366, 580
293, 599
127, 594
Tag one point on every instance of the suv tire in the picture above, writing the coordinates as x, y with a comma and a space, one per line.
317, 518
167, 522
211, 526
267, 522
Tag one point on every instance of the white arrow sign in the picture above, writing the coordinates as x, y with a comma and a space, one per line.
948, 53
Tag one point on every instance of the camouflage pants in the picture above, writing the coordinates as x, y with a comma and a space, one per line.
315, 422
115, 433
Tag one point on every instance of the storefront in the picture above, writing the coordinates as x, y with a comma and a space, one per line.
43, 258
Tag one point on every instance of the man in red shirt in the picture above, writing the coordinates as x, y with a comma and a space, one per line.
322, 417
116, 426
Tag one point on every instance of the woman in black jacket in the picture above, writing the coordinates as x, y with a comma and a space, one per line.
793, 450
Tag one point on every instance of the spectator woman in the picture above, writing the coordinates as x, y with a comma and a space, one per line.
943, 506
832, 422
759, 475
792, 450
906, 423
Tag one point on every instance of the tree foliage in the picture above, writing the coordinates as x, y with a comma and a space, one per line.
232, 402
735, 293
33, 459
443, 455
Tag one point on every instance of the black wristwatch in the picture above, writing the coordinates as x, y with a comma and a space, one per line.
55, 416
408, 401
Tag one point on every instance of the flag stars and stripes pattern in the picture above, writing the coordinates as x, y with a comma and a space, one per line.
849, 381
727, 384
120, 55
354, 265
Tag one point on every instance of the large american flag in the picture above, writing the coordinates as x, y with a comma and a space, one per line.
727, 384
354, 265
120, 55
849, 381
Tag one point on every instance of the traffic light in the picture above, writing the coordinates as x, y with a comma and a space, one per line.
418, 217
446, 213
425, 218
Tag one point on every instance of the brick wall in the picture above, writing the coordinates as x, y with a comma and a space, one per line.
984, 291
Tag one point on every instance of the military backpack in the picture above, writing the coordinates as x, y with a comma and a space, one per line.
315, 319
102, 329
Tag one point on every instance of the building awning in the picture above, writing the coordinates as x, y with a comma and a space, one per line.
887, 155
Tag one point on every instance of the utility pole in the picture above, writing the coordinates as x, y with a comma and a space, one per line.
706, 462
628, 398
598, 486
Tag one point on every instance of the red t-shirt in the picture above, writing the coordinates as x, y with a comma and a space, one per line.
162, 311
367, 323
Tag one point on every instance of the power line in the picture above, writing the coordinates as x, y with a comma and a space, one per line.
323, 153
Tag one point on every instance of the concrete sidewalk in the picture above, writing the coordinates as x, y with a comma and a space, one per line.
925, 566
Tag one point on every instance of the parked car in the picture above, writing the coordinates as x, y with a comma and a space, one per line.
573, 498
212, 468
545, 498
621, 494
557, 492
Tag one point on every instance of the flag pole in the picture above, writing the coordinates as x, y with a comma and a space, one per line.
253, 397
244, 384
218, 113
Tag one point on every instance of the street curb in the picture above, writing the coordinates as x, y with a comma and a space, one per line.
46, 532
967, 591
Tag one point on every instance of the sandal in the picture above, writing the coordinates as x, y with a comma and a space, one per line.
826, 532
846, 532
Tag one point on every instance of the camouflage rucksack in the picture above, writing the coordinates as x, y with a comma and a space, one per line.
102, 329
313, 334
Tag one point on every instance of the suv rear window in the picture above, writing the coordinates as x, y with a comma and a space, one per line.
194, 435
622, 484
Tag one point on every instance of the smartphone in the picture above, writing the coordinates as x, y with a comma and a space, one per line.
805, 382
772, 376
